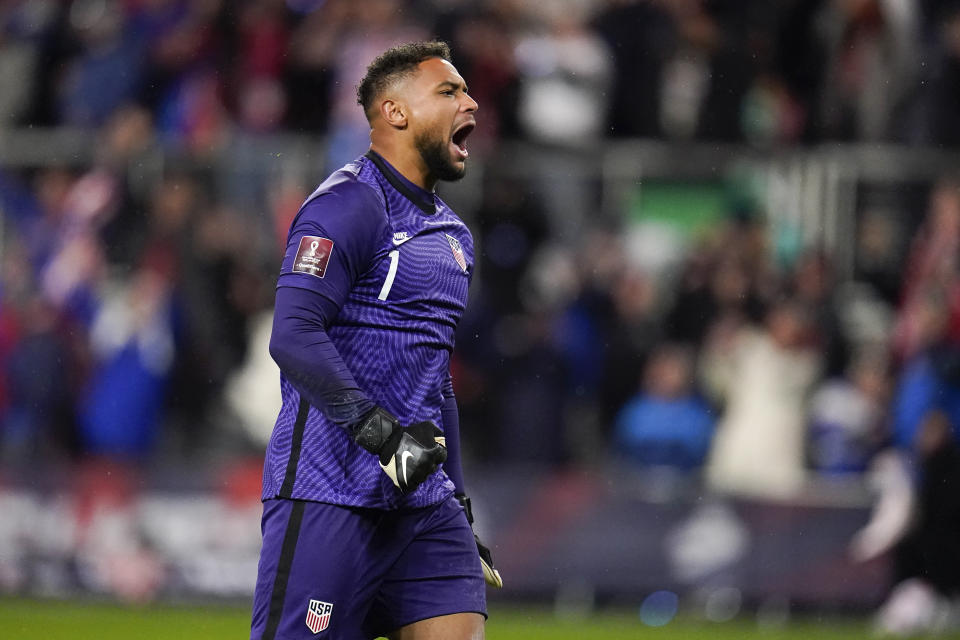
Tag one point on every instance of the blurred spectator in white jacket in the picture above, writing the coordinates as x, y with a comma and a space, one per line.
762, 378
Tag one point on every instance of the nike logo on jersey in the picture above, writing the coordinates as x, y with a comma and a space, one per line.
400, 237
403, 465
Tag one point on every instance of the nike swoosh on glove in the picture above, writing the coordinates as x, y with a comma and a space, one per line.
408, 455
490, 574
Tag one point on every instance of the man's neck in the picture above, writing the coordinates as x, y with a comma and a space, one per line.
408, 163
424, 200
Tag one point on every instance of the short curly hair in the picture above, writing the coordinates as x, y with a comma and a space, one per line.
395, 63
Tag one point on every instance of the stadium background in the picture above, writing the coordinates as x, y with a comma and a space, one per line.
710, 338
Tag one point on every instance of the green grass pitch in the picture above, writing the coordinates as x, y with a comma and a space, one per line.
62, 620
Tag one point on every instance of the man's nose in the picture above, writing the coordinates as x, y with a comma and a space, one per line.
470, 104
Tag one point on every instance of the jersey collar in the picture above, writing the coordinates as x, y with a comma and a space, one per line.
422, 198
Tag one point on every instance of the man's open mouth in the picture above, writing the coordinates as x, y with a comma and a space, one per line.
459, 137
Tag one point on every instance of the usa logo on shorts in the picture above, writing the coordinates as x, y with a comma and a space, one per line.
318, 615
457, 251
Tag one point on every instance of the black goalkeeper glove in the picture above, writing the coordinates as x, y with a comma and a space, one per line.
490, 574
408, 455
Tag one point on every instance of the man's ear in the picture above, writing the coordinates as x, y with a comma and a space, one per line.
394, 113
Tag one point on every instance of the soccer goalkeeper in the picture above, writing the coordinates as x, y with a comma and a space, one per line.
366, 525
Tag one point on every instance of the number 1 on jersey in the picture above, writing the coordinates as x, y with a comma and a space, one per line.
391, 274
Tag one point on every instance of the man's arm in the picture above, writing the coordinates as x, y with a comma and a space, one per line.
454, 469
331, 242
450, 414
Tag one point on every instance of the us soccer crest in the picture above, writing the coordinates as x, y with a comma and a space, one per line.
457, 251
318, 615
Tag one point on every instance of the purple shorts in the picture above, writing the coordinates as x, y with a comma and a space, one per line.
353, 573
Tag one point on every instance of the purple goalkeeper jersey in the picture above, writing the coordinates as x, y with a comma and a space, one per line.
398, 262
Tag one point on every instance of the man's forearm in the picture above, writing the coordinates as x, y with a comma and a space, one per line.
450, 414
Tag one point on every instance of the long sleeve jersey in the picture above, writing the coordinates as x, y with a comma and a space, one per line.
378, 271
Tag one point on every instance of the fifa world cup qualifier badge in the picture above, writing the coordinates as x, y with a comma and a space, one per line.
313, 254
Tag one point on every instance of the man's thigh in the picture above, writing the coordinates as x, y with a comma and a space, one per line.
436, 585
318, 570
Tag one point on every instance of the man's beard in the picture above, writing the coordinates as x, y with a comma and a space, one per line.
436, 155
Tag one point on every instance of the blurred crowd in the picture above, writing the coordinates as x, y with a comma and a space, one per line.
133, 311
558, 71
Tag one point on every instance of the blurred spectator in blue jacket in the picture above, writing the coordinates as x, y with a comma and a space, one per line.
846, 424
133, 342
667, 423
930, 379
107, 71
37, 421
